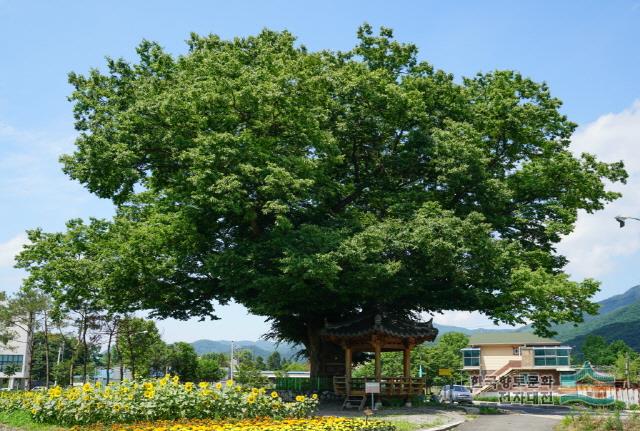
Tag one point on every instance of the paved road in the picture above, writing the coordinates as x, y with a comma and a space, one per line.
511, 422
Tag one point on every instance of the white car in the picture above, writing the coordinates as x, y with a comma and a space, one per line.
456, 393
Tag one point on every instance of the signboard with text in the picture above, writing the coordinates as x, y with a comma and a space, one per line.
372, 387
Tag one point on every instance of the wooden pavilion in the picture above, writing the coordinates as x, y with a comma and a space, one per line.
379, 333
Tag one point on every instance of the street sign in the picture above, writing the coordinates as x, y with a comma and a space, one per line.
444, 372
372, 387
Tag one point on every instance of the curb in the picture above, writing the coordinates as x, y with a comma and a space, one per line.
448, 426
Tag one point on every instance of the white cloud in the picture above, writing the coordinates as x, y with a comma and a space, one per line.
598, 242
10, 248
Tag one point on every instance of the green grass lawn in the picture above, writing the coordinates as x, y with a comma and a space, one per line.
404, 425
22, 420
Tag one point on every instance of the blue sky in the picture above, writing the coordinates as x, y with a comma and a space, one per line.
587, 51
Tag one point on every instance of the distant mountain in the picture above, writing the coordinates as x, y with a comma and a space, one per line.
618, 319
620, 301
620, 323
623, 308
258, 348
443, 329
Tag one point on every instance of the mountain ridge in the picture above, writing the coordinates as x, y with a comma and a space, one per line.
618, 318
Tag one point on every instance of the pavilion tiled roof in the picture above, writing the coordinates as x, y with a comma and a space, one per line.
381, 324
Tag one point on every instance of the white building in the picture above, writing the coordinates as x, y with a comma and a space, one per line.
15, 352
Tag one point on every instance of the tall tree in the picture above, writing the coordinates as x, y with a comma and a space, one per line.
248, 369
210, 368
66, 265
136, 338
183, 361
274, 361
312, 186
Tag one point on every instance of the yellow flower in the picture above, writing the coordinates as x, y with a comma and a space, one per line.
218, 386
300, 398
203, 385
274, 394
188, 386
87, 387
229, 382
149, 394
314, 396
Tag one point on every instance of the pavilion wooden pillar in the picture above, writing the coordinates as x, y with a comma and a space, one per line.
406, 362
347, 368
378, 349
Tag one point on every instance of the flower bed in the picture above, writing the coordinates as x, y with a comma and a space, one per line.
152, 400
308, 424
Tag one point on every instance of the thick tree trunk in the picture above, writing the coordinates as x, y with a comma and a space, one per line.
325, 359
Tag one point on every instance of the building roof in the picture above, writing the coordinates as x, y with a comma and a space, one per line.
510, 338
381, 324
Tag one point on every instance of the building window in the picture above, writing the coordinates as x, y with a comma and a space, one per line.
471, 357
10, 359
516, 351
551, 356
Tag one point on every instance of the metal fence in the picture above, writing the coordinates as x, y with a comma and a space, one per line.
302, 384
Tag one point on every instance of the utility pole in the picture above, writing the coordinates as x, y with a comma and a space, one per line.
55, 381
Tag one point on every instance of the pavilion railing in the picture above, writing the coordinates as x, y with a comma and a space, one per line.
389, 386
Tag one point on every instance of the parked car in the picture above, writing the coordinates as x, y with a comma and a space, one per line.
456, 393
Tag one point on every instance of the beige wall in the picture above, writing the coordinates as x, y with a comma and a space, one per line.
527, 356
493, 358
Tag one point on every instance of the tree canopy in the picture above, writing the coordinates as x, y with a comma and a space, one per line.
316, 185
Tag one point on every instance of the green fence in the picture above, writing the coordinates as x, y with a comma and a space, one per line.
585, 375
301, 384
578, 398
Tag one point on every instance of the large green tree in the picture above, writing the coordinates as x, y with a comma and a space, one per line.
317, 185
